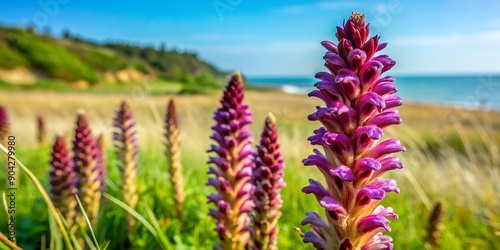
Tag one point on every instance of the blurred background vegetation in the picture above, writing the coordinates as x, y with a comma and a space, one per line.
44, 61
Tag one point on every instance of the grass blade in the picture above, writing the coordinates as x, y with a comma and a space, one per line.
88, 223
46, 198
134, 213
161, 234
9, 243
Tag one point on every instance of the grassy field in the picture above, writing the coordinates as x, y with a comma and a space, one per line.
452, 156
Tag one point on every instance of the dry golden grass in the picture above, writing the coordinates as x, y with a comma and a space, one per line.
196, 110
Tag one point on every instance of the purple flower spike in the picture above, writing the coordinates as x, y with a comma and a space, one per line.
359, 103
268, 180
63, 181
233, 167
88, 170
127, 154
4, 125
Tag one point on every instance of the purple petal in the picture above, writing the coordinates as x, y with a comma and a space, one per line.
331, 89
379, 242
347, 115
368, 193
329, 46
388, 185
324, 76
387, 147
387, 212
381, 46
316, 188
390, 163
348, 82
344, 47
224, 207
315, 219
366, 135
373, 222
392, 101
334, 59
368, 103
327, 118
370, 72
318, 160
315, 239
385, 88
356, 58
386, 61
370, 46
317, 138
216, 214
333, 205
214, 198
385, 119
343, 173
337, 143
367, 164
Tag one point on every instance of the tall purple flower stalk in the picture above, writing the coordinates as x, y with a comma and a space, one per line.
268, 180
173, 153
359, 104
232, 173
127, 153
4, 125
88, 169
63, 181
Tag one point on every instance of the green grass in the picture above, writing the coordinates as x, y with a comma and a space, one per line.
154, 87
55, 61
10, 59
467, 184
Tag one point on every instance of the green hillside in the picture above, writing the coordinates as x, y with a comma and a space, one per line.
70, 60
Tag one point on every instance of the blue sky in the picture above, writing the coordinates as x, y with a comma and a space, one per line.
262, 37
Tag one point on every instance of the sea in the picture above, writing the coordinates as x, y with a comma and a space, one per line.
467, 92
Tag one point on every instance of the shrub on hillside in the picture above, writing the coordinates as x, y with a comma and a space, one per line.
56, 61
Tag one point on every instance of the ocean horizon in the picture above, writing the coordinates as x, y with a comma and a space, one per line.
461, 91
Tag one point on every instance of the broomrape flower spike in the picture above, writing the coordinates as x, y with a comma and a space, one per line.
88, 170
268, 180
4, 125
101, 146
173, 152
359, 104
127, 152
232, 171
63, 181
41, 130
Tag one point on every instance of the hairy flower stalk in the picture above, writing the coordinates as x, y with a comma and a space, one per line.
359, 104
233, 160
88, 170
173, 153
4, 125
40, 122
4, 134
127, 153
63, 181
101, 146
268, 181
435, 226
